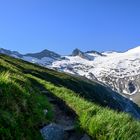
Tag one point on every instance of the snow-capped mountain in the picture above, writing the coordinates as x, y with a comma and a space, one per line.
44, 58
11, 53
120, 71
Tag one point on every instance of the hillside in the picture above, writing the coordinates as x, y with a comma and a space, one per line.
118, 70
100, 112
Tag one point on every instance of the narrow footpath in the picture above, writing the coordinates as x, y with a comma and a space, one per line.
63, 126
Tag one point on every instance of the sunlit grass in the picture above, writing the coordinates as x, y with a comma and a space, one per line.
22, 104
99, 122
21, 108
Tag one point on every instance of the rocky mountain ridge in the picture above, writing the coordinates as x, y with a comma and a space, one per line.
120, 71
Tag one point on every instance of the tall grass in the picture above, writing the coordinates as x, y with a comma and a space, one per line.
22, 104
21, 108
99, 122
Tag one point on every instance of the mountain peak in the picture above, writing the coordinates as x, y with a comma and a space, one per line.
9, 52
134, 50
77, 52
44, 53
81, 54
45, 50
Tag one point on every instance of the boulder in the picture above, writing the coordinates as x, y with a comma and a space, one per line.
52, 132
85, 137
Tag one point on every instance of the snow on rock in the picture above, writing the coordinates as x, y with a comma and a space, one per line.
43, 61
115, 69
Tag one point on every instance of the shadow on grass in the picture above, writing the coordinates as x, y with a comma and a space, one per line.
100, 96
62, 105
92, 91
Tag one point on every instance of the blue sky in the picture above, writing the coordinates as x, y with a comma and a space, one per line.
62, 25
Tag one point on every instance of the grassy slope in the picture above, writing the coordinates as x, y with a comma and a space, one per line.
22, 104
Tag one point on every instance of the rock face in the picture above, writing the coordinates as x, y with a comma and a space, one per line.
94, 52
77, 52
53, 132
128, 86
81, 54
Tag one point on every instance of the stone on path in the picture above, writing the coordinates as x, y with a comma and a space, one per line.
85, 137
53, 132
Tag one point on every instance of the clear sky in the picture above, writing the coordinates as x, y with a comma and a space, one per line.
62, 25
